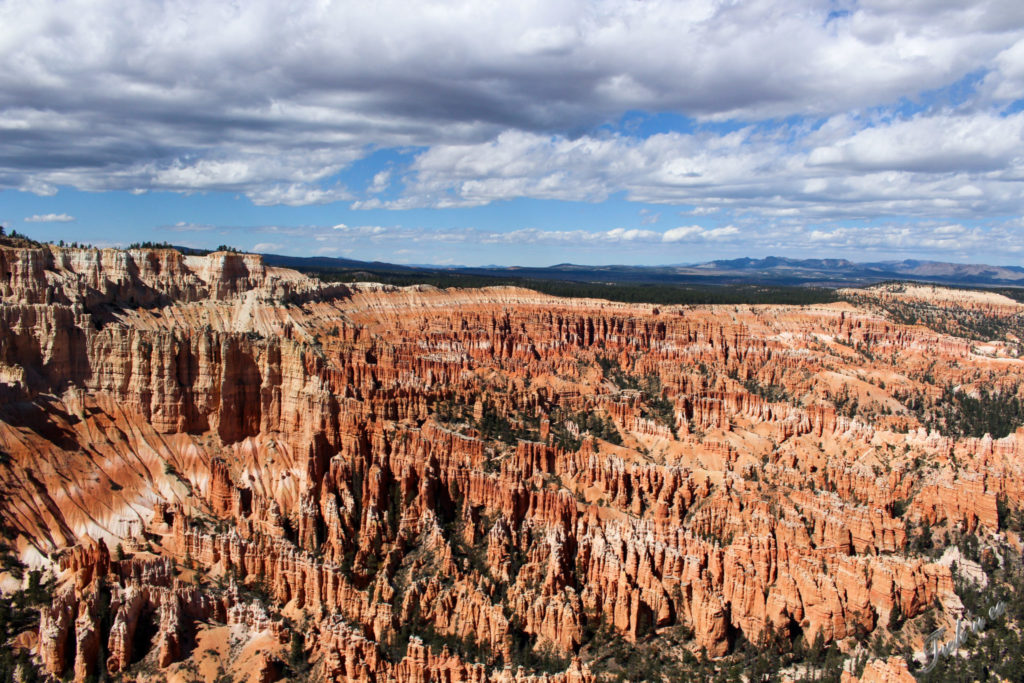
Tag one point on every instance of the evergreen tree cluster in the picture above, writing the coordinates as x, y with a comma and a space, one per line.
945, 318
655, 405
151, 245
958, 413
20, 612
997, 652
14, 238
659, 294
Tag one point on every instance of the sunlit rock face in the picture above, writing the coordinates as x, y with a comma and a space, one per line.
231, 468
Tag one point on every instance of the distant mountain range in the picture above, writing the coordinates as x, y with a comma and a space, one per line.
772, 270
842, 271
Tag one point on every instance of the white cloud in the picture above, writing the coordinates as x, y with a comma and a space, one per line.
722, 233
297, 194
380, 182
272, 99
621, 234
681, 233
999, 242
940, 164
648, 217
943, 143
363, 230
50, 218
798, 119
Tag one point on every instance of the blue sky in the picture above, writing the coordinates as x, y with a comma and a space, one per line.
530, 133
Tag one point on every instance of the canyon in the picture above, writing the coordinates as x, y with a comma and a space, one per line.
224, 469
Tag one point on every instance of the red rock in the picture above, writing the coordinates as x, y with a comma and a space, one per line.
324, 460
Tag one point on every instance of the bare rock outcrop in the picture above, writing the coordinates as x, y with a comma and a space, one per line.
456, 485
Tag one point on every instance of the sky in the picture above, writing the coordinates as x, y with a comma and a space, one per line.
519, 133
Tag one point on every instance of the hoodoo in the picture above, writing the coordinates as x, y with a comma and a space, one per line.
214, 467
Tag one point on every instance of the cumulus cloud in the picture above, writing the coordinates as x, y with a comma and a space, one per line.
942, 143
381, 180
50, 218
272, 100
681, 233
722, 233
941, 163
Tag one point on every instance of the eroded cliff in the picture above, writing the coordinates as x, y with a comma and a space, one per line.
230, 468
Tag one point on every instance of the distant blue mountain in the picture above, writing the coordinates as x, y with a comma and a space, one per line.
773, 270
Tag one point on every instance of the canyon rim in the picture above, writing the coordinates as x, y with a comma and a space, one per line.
215, 470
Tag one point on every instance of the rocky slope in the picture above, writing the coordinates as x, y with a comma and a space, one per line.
230, 469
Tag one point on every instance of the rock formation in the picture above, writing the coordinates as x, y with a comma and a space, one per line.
463, 485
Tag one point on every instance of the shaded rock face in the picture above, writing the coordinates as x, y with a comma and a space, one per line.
414, 484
